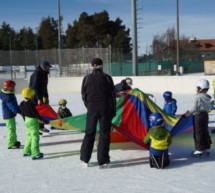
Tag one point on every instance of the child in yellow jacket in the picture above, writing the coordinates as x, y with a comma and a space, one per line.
159, 139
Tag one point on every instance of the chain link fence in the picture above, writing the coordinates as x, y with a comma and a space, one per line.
73, 62
76, 63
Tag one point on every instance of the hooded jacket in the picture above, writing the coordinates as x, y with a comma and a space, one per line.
201, 103
158, 137
9, 104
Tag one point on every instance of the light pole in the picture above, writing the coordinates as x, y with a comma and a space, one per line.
10, 53
37, 47
134, 36
178, 53
59, 37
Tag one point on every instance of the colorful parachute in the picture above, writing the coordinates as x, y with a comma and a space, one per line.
46, 112
132, 117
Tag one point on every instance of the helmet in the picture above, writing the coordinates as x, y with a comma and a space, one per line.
28, 93
155, 119
62, 102
167, 95
9, 84
97, 61
129, 81
202, 84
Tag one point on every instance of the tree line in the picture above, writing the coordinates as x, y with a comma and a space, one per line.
89, 31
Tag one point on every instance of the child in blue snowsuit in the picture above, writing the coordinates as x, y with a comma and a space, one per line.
10, 109
170, 104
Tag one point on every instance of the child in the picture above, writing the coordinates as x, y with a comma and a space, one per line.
10, 109
159, 139
200, 119
125, 84
31, 118
170, 105
63, 111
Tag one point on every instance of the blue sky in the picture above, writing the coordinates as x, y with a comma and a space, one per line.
197, 17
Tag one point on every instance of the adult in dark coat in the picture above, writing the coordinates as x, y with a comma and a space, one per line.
98, 94
124, 85
39, 83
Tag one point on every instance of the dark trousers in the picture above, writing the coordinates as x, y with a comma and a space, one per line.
41, 126
104, 119
201, 135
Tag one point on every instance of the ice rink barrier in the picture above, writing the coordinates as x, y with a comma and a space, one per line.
148, 84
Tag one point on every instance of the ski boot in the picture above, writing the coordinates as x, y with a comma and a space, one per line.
44, 130
26, 154
39, 156
15, 146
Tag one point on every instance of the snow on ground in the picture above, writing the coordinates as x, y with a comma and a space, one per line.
129, 171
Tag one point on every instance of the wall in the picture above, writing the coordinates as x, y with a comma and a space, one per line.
148, 84
209, 67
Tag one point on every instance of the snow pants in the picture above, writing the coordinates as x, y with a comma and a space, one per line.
33, 138
104, 119
158, 158
11, 136
201, 135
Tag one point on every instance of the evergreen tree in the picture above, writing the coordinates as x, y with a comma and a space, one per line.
7, 37
98, 31
48, 33
25, 39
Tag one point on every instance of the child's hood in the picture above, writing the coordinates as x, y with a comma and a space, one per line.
159, 132
204, 97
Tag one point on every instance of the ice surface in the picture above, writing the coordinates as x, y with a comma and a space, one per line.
129, 171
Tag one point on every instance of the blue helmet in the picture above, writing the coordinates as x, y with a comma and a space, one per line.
155, 119
167, 95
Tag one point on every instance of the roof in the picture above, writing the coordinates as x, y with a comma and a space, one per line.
204, 45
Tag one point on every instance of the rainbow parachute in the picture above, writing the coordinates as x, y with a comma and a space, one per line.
132, 117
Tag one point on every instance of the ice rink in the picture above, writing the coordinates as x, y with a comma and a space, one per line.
129, 171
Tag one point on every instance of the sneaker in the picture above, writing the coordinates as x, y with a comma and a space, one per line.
104, 165
44, 130
39, 156
26, 154
84, 164
15, 146
197, 153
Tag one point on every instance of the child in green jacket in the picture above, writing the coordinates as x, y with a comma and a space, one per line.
159, 139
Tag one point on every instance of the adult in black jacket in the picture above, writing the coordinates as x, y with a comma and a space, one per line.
98, 94
39, 83
124, 85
